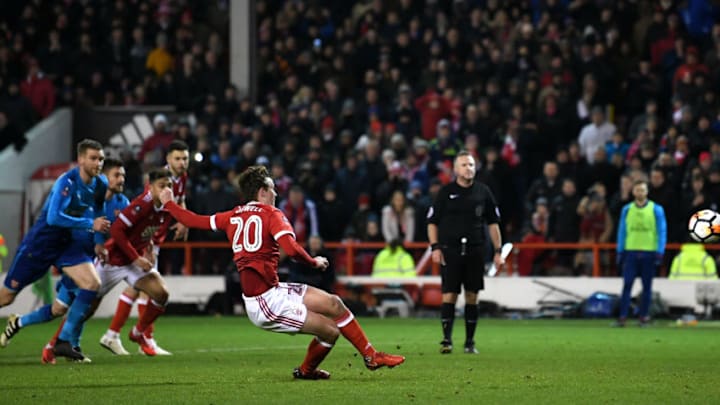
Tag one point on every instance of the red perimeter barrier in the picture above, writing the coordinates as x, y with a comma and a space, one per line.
347, 253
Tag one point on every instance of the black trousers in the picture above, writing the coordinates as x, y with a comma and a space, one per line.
463, 270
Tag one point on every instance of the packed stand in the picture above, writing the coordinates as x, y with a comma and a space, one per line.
360, 107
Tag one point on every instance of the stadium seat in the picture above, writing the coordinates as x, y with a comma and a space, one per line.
431, 296
707, 294
393, 298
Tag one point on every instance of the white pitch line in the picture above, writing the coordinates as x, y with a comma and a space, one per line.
103, 354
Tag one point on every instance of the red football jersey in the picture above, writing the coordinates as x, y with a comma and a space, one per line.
178, 185
253, 229
137, 225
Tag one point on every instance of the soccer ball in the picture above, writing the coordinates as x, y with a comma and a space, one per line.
704, 226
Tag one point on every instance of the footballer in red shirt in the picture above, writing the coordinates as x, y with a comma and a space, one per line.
177, 159
257, 230
140, 226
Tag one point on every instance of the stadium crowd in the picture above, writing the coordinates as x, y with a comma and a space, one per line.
361, 106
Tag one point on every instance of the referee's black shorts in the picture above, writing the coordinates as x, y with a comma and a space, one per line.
459, 270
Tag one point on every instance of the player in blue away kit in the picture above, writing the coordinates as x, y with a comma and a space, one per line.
76, 201
115, 201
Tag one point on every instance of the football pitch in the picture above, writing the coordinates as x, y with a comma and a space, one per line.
228, 360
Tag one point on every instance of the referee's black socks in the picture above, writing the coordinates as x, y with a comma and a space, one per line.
447, 316
471, 316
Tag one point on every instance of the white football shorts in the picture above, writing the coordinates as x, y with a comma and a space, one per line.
111, 275
279, 309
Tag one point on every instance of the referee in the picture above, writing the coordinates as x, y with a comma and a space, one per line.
456, 231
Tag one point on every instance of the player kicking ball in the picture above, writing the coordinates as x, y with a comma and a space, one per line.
256, 230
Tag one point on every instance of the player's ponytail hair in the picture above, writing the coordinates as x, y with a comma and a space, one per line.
251, 181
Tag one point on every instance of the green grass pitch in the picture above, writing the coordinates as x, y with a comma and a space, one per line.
228, 360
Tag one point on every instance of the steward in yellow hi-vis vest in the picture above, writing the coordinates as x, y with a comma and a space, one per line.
693, 263
393, 261
641, 238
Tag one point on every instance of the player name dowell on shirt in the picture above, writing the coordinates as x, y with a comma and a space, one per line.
249, 208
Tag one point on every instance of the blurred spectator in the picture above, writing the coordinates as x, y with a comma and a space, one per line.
596, 225
372, 230
444, 145
696, 198
301, 273
159, 59
531, 261
547, 187
616, 146
640, 121
38, 89
357, 229
432, 107
422, 203
663, 193
282, 181
333, 215
17, 108
10, 135
217, 198
398, 219
301, 213
564, 222
620, 198
595, 134
153, 148
396, 181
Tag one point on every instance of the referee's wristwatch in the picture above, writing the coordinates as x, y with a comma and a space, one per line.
498, 251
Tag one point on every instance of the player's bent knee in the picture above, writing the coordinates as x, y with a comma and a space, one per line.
330, 334
131, 292
337, 305
162, 296
58, 309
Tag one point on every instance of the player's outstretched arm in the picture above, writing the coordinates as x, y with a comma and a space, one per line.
189, 218
296, 252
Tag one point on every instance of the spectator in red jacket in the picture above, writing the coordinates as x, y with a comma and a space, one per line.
38, 89
154, 148
690, 67
433, 107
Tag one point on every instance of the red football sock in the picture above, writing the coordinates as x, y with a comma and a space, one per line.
142, 304
316, 353
122, 312
149, 331
57, 333
152, 311
351, 330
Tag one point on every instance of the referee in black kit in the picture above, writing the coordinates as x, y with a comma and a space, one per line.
456, 231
